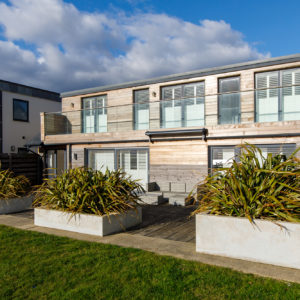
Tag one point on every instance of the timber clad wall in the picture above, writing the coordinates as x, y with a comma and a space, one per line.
178, 160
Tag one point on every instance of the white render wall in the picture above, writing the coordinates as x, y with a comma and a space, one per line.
235, 237
13, 131
87, 223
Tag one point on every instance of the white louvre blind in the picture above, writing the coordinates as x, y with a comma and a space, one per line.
291, 94
141, 109
135, 164
102, 159
267, 97
183, 105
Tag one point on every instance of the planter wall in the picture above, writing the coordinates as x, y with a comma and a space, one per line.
13, 205
263, 242
86, 223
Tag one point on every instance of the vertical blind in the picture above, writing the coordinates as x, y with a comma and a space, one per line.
229, 102
141, 109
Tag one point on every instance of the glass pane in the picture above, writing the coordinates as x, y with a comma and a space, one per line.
101, 159
193, 112
222, 157
171, 114
141, 109
229, 108
20, 110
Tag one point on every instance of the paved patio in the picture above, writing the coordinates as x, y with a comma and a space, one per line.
166, 230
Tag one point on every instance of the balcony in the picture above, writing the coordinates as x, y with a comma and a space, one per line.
260, 105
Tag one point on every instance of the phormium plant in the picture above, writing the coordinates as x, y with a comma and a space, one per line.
12, 186
255, 187
83, 190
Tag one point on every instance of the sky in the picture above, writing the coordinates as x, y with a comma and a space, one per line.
73, 44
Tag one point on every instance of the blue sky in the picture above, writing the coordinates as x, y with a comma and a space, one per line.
64, 45
272, 25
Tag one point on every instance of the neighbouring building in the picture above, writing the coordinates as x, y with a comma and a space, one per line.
169, 131
20, 108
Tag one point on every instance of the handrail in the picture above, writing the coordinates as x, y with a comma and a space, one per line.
182, 98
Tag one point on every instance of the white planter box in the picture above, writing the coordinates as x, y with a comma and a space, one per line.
13, 205
263, 242
87, 223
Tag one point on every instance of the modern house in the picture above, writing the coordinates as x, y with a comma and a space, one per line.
20, 108
170, 131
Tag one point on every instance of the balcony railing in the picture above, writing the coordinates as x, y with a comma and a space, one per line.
264, 105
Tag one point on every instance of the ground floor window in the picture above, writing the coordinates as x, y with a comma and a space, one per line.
222, 156
134, 161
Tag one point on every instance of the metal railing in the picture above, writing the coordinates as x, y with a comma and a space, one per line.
264, 105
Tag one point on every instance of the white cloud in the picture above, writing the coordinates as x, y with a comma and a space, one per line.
69, 49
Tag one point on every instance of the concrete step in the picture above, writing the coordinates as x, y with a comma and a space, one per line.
177, 198
153, 198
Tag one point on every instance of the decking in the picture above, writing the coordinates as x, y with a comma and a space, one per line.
167, 222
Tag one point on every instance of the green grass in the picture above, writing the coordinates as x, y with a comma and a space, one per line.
39, 266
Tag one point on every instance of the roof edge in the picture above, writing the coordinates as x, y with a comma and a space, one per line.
187, 75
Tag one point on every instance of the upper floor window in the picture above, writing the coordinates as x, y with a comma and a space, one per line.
278, 95
182, 105
141, 109
229, 100
20, 110
94, 114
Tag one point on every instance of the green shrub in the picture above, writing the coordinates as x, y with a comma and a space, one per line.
254, 187
12, 186
82, 190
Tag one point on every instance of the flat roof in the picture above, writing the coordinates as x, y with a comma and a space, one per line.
18, 88
187, 75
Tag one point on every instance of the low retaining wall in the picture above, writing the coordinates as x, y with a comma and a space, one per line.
263, 242
86, 223
13, 205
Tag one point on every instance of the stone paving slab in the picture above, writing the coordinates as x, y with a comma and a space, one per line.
160, 246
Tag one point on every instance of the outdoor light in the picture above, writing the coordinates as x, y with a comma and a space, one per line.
75, 156
154, 94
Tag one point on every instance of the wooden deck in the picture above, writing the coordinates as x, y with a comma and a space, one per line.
167, 222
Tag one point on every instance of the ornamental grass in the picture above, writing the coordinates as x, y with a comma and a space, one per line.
255, 187
12, 186
83, 190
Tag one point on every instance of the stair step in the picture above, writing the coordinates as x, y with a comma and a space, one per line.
154, 198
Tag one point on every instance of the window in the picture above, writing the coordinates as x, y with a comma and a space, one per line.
132, 161
94, 114
182, 105
274, 103
141, 109
222, 156
20, 110
229, 100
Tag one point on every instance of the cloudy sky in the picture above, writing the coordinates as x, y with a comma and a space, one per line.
65, 45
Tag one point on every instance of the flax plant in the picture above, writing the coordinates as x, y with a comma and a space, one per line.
83, 190
12, 186
255, 187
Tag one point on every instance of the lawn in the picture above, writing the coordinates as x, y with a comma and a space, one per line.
39, 266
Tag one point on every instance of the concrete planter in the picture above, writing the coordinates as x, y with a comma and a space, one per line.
14, 205
263, 242
86, 223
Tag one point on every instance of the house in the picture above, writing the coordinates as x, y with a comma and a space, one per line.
20, 108
170, 131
